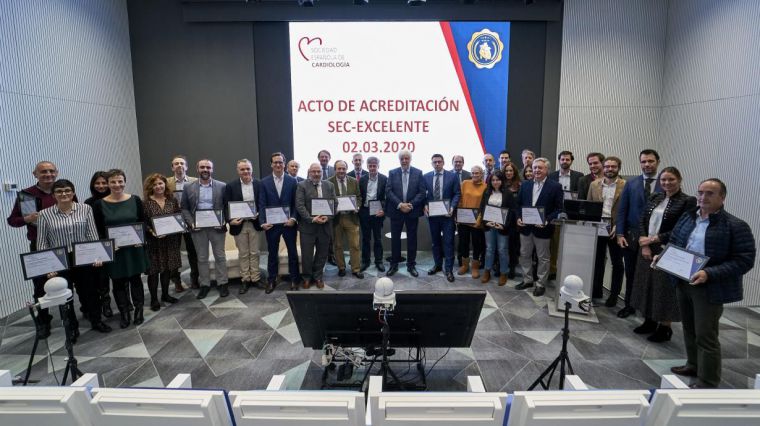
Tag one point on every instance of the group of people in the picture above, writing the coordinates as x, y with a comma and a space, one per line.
642, 214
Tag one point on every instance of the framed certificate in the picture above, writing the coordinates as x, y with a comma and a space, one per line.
346, 203
374, 207
39, 263
27, 203
495, 214
533, 216
127, 235
680, 262
208, 218
168, 224
322, 207
277, 215
89, 252
242, 209
467, 216
438, 208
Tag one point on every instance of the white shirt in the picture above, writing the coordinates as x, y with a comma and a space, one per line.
278, 184
537, 187
495, 199
608, 198
371, 190
247, 190
564, 179
655, 219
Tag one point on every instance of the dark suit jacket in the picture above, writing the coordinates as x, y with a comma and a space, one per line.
234, 192
632, 203
352, 188
381, 181
550, 199
305, 192
298, 179
269, 198
465, 174
330, 172
574, 178
352, 173
415, 193
452, 190
191, 193
584, 184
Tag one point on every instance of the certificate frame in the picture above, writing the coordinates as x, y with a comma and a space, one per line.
27, 203
474, 214
137, 226
352, 198
217, 213
504, 214
330, 202
446, 203
698, 264
285, 209
541, 213
177, 216
108, 246
250, 204
59, 252
378, 205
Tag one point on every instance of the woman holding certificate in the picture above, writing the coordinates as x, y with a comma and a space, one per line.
98, 190
470, 227
115, 212
512, 180
653, 293
496, 211
163, 249
64, 224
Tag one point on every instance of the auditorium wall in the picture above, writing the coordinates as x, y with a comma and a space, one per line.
67, 96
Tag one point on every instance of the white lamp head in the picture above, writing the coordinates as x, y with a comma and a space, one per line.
384, 296
56, 292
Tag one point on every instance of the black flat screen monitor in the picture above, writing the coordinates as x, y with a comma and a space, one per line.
442, 319
583, 210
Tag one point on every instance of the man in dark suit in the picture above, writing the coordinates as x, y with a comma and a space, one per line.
458, 162
279, 190
293, 168
566, 177
328, 171
442, 185
633, 200
372, 188
346, 223
246, 231
404, 200
357, 172
316, 230
207, 194
595, 161
539, 192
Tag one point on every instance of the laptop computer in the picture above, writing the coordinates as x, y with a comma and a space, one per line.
583, 210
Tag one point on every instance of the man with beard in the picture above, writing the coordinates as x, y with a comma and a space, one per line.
346, 223
504, 159
566, 177
595, 163
316, 230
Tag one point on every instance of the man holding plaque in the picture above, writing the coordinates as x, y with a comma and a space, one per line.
443, 190
371, 214
346, 221
175, 185
202, 203
277, 214
404, 200
241, 195
539, 202
315, 205
729, 245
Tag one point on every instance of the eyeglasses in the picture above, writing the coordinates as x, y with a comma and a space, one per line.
63, 191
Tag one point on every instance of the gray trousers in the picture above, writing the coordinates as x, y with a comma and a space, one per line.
314, 249
201, 240
700, 332
542, 246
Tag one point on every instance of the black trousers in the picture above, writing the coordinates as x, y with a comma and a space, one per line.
603, 245
372, 229
192, 259
630, 254
397, 226
123, 287
102, 285
81, 279
467, 233
153, 280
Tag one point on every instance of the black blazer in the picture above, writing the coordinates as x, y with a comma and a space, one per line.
234, 192
574, 179
507, 202
352, 173
584, 184
679, 204
381, 181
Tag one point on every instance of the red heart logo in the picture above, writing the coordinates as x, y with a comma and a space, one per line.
308, 42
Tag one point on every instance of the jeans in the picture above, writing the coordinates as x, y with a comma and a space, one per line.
496, 242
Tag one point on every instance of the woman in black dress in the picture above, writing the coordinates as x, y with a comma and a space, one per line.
98, 190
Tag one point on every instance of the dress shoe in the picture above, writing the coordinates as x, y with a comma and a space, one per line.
434, 270
380, 267
320, 284
178, 287
107, 312
523, 285
224, 291
359, 275
100, 326
502, 280
539, 291
611, 301
169, 299
647, 327
139, 316
341, 272
154, 305
44, 331
364, 266
662, 334
270, 287
450, 276
124, 321
195, 284
684, 370
331, 261
626, 312
511, 274
244, 287
412, 271
391, 270
203, 292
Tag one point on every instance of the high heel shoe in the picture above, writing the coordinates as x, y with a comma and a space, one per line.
124, 322
662, 334
647, 327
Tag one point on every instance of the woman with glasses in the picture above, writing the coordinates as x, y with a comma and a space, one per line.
98, 190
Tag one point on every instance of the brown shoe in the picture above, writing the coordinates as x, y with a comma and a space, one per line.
320, 284
306, 284
465, 266
502, 279
475, 268
486, 277
684, 370
178, 287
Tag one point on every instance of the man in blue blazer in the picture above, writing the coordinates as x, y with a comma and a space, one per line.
372, 188
279, 190
245, 231
545, 193
404, 200
633, 200
442, 185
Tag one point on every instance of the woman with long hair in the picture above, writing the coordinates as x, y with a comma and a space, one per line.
98, 190
498, 195
513, 182
472, 194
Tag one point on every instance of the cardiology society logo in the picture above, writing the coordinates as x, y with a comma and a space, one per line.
320, 55
485, 49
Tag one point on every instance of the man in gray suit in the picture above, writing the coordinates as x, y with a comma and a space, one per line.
207, 194
316, 231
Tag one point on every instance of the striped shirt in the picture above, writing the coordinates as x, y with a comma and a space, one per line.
56, 228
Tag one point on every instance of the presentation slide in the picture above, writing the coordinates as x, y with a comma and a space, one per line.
377, 88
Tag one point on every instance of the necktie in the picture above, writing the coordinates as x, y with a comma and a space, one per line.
648, 186
318, 188
459, 176
437, 187
405, 183
358, 175
343, 187
324, 173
